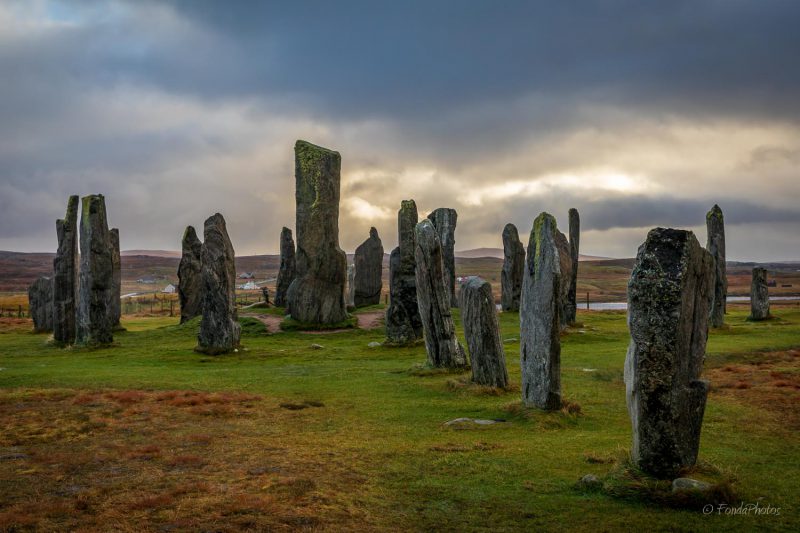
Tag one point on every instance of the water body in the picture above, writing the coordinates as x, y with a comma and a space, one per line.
622, 306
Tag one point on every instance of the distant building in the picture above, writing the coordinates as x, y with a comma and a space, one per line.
247, 275
147, 279
249, 286
169, 289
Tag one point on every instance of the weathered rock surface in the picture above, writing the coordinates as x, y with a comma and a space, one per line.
759, 295
190, 278
351, 286
687, 483
444, 220
116, 279
540, 317
433, 297
715, 224
219, 329
287, 270
65, 276
369, 270
565, 265
668, 299
513, 269
482, 332
94, 315
316, 295
40, 304
571, 308
403, 321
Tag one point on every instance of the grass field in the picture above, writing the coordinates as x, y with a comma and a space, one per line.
149, 436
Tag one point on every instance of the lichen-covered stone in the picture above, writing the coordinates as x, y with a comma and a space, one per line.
444, 220
351, 286
565, 265
190, 278
715, 224
316, 295
668, 299
116, 279
403, 321
40, 304
574, 252
482, 333
540, 318
219, 328
513, 269
759, 295
369, 270
65, 276
433, 298
95, 290
287, 270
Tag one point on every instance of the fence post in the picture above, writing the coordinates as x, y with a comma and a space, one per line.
587, 300
170, 306
19, 312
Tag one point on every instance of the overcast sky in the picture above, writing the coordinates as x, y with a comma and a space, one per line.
638, 114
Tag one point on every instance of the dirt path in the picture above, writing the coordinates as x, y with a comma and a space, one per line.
371, 320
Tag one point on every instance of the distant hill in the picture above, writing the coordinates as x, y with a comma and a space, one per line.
151, 253
476, 253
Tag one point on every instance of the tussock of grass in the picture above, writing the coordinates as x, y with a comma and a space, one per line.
464, 384
426, 370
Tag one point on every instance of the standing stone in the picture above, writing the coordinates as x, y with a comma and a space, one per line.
219, 328
403, 322
287, 268
433, 297
513, 269
479, 316
369, 270
444, 221
540, 317
759, 295
574, 246
668, 299
190, 278
316, 295
351, 286
116, 279
715, 224
565, 264
65, 276
40, 304
95, 318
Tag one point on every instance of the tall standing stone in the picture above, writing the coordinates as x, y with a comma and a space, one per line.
715, 224
482, 332
316, 295
286, 272
565, 264
190, 278
65, 276
574, 252
759, 295
351, 286
433, 297
116, 279
513, 269
444, 220
540, 318
403, 322
40, 304
95, 291
219, 328
369, 270
668, 299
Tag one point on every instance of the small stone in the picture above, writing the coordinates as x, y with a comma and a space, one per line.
374, 344
513, 268
510, 340
287, 269
687, 483
590, 481
316, 346
467, 422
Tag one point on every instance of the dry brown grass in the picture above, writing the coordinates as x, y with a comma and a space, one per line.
135, 461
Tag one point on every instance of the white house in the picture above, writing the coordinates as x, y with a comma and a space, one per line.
169, 289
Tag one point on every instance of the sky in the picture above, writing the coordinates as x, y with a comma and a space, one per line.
638, 114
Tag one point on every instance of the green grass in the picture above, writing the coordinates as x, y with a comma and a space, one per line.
383, 419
